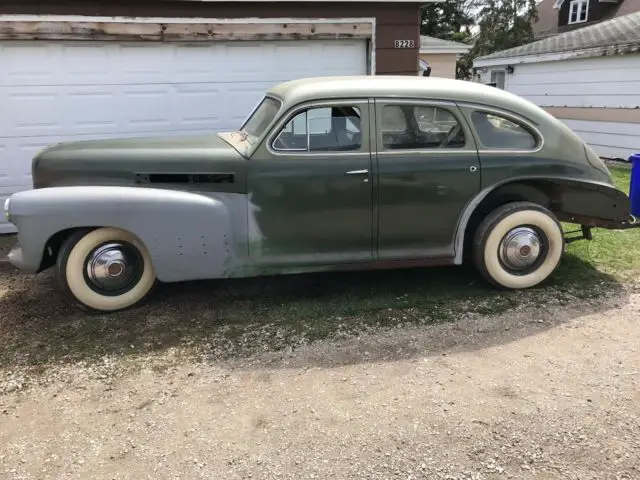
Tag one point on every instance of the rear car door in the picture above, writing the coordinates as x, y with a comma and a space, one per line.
428, 171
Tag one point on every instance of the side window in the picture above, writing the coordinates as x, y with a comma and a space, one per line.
415, 127
500, 133
322, 129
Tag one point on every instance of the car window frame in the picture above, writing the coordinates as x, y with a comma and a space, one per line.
362, 103
528, 124
276, 115
450, 106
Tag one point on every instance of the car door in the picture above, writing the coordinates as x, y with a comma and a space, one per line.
310, 188
428, 171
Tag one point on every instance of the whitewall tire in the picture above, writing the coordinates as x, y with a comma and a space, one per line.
106, 269
518, 245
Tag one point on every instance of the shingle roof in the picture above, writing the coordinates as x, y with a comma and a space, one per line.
616, 31
433, 43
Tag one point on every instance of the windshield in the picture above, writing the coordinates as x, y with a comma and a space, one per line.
261, 117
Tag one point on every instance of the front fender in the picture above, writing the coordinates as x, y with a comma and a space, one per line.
188, 235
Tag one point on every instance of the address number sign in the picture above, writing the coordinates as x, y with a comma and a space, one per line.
404, 43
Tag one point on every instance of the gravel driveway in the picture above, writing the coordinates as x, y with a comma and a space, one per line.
548, 390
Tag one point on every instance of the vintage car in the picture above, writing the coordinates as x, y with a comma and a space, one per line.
325, 174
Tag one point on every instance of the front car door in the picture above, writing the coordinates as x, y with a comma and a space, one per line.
428, 171
310, 188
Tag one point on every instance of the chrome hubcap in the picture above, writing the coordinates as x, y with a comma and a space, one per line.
112, 266
520, 248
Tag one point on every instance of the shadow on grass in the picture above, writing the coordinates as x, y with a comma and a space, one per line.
228, 320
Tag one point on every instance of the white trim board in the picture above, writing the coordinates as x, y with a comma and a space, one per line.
205, 20
124, 19
444, 50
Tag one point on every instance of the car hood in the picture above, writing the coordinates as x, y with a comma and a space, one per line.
127, 160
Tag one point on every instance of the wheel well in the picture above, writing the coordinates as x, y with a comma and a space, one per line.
52, 247
539, 193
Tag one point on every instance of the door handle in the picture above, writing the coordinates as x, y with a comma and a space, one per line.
357, 172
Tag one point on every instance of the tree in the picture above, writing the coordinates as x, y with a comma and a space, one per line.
490, 25
504, 24
450, 20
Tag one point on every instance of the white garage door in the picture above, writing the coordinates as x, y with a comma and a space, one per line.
66, 91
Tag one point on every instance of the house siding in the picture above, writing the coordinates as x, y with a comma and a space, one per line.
394, 21
442, 64
600, 98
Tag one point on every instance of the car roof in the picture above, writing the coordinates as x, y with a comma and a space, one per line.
302, 90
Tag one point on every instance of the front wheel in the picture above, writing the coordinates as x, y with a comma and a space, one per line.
518, 245
106, 269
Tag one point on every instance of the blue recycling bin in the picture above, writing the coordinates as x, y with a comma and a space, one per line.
634, 187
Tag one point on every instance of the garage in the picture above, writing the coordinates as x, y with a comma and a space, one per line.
73, 70
66, 91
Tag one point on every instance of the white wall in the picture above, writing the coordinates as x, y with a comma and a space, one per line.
608, 139
603, 82
612, 82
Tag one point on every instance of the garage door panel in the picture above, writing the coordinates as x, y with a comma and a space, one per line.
198, 106
15, 160
93, 63
84, 63
148, 107
344, 59
29, 111
43, 67
91, 109
143, 63
198, 63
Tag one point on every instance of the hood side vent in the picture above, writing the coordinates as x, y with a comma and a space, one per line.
184, 178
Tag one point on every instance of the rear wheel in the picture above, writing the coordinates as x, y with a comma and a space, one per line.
518, 245
106, 269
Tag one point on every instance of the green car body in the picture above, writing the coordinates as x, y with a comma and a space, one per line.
370, 172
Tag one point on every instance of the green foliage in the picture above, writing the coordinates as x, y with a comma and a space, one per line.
450, 20
504, 24
490, 25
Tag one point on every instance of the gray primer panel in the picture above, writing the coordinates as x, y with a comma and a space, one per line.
189, 235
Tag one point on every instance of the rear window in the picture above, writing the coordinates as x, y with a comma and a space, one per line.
500, 133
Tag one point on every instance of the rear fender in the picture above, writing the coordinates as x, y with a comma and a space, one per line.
189, 235
592, 204
586, 202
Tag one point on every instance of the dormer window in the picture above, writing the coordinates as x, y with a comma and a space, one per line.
578, 11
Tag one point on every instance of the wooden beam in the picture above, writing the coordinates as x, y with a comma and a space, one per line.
176, 32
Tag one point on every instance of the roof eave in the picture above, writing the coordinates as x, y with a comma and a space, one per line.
608, 50
445, 50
